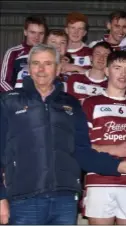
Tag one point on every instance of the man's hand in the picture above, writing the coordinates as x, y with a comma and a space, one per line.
4, 211
122, 167
116, 150
120, 150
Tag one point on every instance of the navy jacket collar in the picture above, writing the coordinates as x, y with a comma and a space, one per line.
29, 87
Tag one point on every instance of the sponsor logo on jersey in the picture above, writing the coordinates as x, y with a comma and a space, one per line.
24, 74
105, 109
68, 109
114, 137
22, 110
114, 130
79, 88
113, 127
81, 60
12, 94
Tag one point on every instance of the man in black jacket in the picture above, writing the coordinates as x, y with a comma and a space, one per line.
44, 142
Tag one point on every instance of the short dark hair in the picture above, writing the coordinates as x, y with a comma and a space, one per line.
58, 32
36, 19
104, 44
118, 14
116, 55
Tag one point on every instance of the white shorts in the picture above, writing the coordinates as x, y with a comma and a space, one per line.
105, 202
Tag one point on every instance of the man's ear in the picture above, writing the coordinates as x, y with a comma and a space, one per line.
66, 30
25, 32
106, 72
84, 33
91, 58
108, 25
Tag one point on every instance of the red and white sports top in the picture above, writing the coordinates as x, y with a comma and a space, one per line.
107, 126
81, 56
82, 86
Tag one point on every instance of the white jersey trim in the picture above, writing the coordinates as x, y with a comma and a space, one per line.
4, 66
90, 125
92, 141
105, 185
23, 56
95, 128
75, 50
112, 97
94, 80
103, 110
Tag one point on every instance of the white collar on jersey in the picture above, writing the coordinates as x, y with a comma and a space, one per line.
75, 50
92, 79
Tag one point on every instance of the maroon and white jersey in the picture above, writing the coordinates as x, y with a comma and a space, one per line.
105, 38
81, 56
7, 78
107, 126
82, 86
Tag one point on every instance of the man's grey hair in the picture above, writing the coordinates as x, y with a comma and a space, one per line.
43, 48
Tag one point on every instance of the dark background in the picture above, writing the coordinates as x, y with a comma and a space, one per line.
13, 14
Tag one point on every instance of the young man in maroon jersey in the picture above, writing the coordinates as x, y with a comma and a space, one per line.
105, 201
76, 28
116, 26
15, 59
59, 39
93, 81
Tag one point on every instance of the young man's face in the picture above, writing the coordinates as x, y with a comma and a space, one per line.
42, 68
117, 29
99, 58
59, 42
76, 31
117, 74
34, 34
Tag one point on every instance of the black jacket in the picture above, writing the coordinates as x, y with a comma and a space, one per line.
42, 143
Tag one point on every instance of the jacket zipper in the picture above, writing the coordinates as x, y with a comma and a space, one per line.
52, 160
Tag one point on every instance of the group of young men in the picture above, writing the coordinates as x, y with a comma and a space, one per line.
96, 76
69, 41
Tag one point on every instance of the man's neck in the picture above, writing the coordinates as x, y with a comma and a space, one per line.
113, 92
74, 45
45, 91
96, 74
111, 40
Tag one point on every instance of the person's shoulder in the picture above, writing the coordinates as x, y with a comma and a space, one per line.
11, 94
91, 44
67, 95
85, 49
70, 98
123, 42
76, 76
14, 49
94, 99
